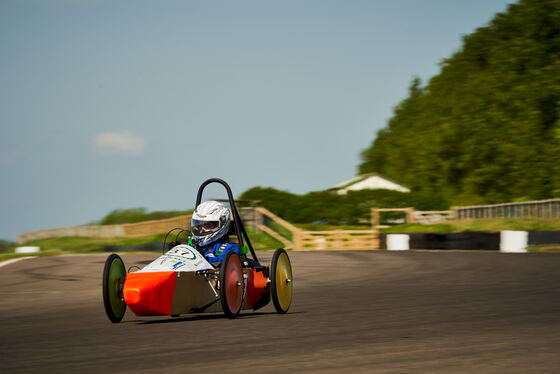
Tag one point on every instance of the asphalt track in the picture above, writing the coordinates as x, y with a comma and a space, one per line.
370, 312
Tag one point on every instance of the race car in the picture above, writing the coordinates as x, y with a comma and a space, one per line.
182, 281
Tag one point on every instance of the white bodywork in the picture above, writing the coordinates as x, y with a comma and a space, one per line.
180, 258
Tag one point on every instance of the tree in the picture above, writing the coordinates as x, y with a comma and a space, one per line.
487, 127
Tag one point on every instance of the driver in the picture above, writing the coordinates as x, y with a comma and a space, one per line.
209, 226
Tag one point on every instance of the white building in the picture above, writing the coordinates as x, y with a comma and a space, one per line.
367, 181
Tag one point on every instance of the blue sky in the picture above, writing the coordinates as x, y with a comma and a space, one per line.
121, 104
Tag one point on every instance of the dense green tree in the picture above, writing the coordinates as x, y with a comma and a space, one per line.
486, 129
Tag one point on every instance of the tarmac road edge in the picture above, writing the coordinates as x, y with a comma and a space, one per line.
11, 261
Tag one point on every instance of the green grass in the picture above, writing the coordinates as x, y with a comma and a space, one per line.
319, 227
135, 215
7, 256
544, 248
262, 241
51, 252
489, 225
281, 230
66, 245
91, 245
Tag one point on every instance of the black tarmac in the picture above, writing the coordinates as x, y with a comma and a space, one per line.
369, 312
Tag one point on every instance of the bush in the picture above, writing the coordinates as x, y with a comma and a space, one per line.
327, 207
6, 246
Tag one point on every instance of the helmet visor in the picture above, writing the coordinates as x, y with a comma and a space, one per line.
204, 228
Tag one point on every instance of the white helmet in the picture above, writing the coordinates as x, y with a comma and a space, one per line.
210, 221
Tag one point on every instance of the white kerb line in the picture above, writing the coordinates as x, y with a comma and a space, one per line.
8, 262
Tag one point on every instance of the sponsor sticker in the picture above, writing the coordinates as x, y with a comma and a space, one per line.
183, 257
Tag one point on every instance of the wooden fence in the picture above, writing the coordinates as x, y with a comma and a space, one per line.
531, 209
547, 209
278, 228
292, 237
154, 227
297, 239
432, 216
126, 230
376, 216
338, 240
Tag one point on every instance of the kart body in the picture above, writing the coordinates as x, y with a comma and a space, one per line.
182, 281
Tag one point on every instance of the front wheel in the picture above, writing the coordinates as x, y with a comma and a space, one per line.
281, 281
231, 284
114, 275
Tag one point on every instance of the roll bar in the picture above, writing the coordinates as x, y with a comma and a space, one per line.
239, 228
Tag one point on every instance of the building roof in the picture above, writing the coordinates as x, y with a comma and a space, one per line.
367, 181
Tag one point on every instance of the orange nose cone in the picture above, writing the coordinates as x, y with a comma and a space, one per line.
132, 295
150, 294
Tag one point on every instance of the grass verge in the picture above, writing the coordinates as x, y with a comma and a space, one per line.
320, 227
544, 248
489, 225
67, 245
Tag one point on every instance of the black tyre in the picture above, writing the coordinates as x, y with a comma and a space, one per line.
231, 284
281, 281
114, 275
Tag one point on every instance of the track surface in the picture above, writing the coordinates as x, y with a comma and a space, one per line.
374, 312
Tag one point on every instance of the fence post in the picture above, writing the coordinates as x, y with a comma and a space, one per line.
374, 218
409, 215
339, 240
297, 239
375, 240
258, 219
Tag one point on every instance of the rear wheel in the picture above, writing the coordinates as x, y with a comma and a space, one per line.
114, 275
281, 281
231, 284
